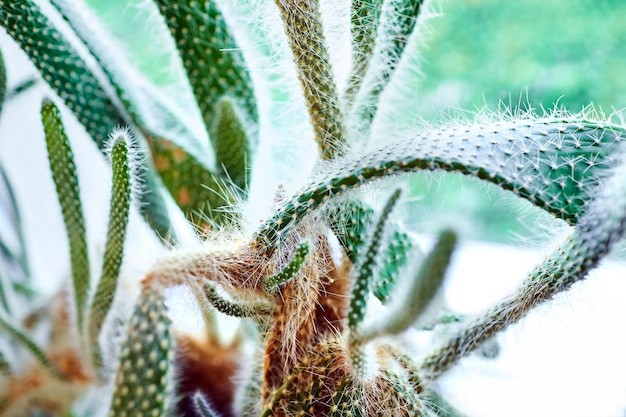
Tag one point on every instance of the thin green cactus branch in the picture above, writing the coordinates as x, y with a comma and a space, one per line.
398, 20
419, 295
597, 232
554, 162
66, 180
114, 251
364, 20
304, 30
290, 270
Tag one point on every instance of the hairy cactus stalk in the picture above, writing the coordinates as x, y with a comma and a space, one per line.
306, 37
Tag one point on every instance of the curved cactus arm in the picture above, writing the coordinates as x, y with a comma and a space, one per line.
554, 162
149, 111
142, 384
302, 22
397, 23
272, 283
116, 236
364, 20
602, 226
65, 178
419, 294
30, 345
232, 309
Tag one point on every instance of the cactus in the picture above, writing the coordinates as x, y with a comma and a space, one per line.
302, 283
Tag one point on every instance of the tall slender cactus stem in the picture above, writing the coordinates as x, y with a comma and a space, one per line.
303, 26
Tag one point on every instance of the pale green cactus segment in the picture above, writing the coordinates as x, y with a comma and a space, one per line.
349, 223
232, 309
553, 162
30, 345
364, 20
403, 394
4, 291
60, 65
116, 236
202, 406
394, 258
597, 232
367, 265
142, 381
397, 23
272, 283
231, 143
304, 30
65, 178
212, 59
419, 294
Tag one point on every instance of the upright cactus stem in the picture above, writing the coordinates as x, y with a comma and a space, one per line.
304, 30
116, 236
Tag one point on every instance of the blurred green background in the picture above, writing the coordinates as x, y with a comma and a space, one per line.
475, 54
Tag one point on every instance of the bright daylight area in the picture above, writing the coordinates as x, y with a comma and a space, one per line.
240, 249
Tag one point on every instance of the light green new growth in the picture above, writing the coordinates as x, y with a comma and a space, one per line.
65, 178
596, 233
419, 294
30, 345
231, 143
202, 407
295, 264
116, 236
143, 371
304, 30
553, 162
